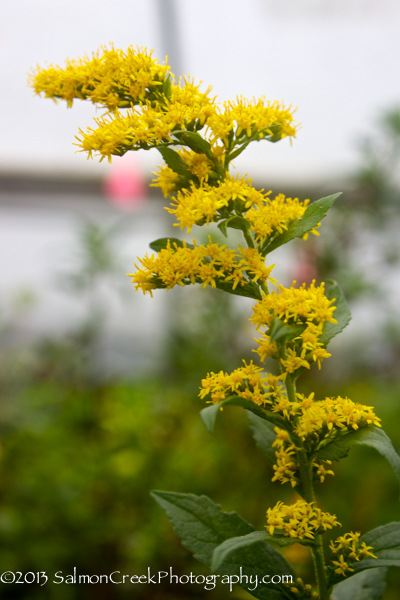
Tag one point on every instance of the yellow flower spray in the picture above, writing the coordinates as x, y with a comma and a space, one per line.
198, 139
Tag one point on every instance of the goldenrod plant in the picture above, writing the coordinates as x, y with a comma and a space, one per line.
301, 436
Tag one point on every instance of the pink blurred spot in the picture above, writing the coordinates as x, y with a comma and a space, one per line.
124, 186
305, 268
304, 272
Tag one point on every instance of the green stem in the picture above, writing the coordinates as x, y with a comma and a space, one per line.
318, 550
306, 477
248, 238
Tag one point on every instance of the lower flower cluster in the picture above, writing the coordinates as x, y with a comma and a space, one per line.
347, 550
315, 422
299, 520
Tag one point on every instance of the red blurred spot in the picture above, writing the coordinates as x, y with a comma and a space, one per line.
125, 186
304, 272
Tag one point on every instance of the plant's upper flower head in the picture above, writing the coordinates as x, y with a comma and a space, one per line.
116, 79
112, 78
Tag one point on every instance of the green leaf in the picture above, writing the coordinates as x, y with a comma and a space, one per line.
209, 414
222, 225
238, 223
342, 313
374, 563
222, 552
195, 142
385, 542
367, 585
162, 243
312, 216
339, 448
202, 526
371, 436
278, 329
174, 161
248, 290
264, 435
235, 222
167, 87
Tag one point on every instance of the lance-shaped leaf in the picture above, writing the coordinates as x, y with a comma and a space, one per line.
167, 87
342, 313
248, 290
385, 542
175, 162
312, 216
202, 526
264, 435
195, 142
367, 585
371, 436
224, 550
209, 414
235, 222
238, 223
162, 243
278, 329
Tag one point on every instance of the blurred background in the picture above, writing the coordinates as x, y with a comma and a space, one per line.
99, 384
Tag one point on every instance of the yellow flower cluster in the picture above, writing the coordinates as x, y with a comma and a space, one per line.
112, 78
286, 468
274, 216
196, 204
146, 125
166, 179
116, 79
204, 264
315, 421
245, 382
296, 306
299, 520
330, 418
348, 550
248, 118
198, 164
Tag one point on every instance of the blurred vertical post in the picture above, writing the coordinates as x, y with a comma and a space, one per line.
168, 23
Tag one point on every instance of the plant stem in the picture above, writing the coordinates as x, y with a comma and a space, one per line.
248, 239
306, 476
318, 550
